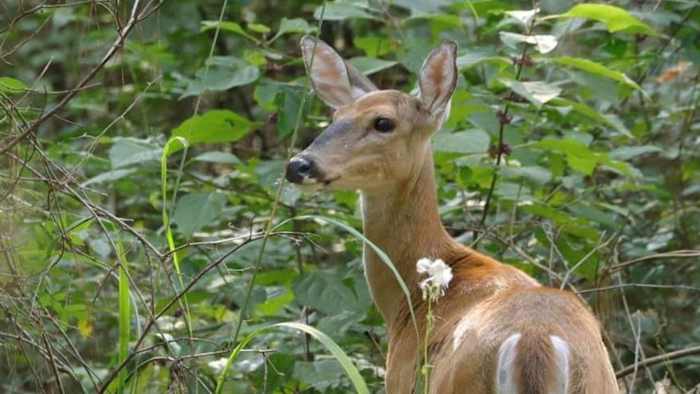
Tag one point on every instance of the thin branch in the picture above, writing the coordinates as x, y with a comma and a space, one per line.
691, 351
134, 19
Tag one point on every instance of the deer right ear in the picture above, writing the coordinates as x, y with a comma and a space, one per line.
438, 79
335, 82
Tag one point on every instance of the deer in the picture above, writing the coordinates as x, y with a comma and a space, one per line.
496, 329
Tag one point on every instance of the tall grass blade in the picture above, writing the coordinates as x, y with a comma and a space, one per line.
350, 370
382, 255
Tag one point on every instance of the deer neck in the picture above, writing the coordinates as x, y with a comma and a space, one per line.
404, 222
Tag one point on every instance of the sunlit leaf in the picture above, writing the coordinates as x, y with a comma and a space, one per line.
228, 26
214, 126
595, 68
11, 85
615, 18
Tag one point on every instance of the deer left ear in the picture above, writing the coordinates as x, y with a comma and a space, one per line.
438, 79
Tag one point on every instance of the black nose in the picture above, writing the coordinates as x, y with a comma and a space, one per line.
300, 168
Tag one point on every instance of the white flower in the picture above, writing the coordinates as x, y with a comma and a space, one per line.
218, 365
439, 277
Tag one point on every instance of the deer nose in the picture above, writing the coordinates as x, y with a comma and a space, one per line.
299, 169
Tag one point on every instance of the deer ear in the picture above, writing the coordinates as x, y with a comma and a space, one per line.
336, 82
438, 78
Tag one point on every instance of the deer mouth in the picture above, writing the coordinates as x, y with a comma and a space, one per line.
327, 182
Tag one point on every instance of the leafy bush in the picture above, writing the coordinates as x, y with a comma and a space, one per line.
145, 227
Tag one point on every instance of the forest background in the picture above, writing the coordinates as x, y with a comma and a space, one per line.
149, 244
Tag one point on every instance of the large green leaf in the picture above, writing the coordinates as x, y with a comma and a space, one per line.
465, 142
327, 293
196, 210
129, 151
11, 85
615, 18
214, 126
218, 157
294, 25
592, 67
221, 73
228, 26
336, 351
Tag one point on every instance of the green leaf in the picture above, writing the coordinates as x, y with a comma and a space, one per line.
377, 250
128, 151
222, 73
109, 176
288, 102
537, 92
294, 25
336, 351
322, 375
373, 46
615, 18
11, 85
214, 126
338, 11
228, 26
465, 142
218, 157
196, 210
629, 152
258, 28
579, 157
595, 68
473, 58
536, 174
368, 65
327, 293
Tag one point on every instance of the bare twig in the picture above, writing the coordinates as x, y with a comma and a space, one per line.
691, 351
134, 19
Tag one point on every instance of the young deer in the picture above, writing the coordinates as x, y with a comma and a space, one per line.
496, 329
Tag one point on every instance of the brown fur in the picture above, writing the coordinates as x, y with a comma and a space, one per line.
487, 301
534, 364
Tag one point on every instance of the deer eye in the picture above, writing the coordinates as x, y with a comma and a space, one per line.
384, 125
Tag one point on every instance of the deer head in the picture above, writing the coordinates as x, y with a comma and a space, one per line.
377, 137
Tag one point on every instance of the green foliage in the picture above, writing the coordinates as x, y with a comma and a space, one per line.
132, 254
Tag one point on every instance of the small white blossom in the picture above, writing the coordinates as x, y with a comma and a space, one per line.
439, 277
218, 365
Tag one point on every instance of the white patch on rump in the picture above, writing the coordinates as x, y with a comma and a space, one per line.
561, 358
505, 379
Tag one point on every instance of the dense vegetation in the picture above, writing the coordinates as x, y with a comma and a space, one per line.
144, 228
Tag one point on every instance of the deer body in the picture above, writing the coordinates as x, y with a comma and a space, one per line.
496, 330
